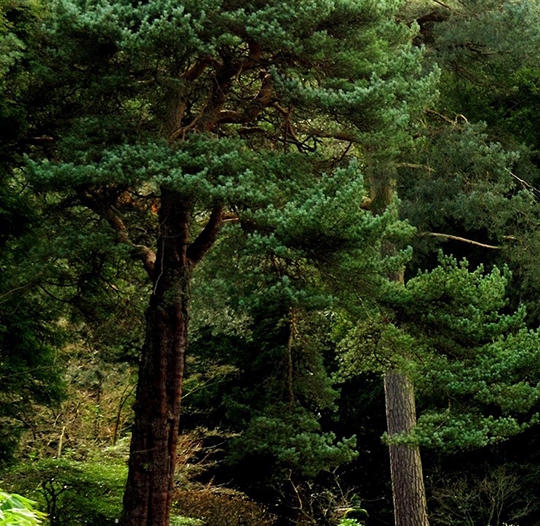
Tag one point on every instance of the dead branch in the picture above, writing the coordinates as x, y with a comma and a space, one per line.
462, 239
524, 183
448, 119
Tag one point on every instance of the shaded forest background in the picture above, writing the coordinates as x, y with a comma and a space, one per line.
295, 312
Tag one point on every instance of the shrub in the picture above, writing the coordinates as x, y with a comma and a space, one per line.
220, 507
349, 522
185, 521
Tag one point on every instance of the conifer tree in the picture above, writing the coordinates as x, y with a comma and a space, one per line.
175, 123
471, 186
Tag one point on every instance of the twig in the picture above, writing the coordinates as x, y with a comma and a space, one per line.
524, 183
443, 5
448, 119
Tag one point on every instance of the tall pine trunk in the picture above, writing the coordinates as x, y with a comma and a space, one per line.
408, 490
149, 490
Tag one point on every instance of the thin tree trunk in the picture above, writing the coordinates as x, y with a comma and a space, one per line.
408, 490
149, 490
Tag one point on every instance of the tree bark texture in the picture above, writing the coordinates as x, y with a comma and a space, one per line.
149, 490
409, 496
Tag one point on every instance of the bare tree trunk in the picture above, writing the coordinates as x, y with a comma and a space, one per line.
149, 490
408, 490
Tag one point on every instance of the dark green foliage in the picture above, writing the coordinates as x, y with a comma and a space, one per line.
274, 392
471, 188
29, 330
18, 22
29, 372
474, 172
292, 439
278, 395
487, 52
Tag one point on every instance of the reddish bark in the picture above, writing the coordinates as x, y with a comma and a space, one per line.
149, 489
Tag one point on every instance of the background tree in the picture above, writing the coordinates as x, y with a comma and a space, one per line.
29, 335
476, 180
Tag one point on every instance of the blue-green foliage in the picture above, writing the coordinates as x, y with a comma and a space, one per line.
342, 74
350, 61
260, 107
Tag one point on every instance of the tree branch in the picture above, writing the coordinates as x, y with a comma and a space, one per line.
447, 119
462, 239
204, 241
443, 5
524, 183
338, 135
262, 100
140, 252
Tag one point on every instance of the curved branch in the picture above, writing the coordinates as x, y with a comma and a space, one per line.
204, 241
263, 99
140, 252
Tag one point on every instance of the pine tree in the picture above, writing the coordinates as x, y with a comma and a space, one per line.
174, 124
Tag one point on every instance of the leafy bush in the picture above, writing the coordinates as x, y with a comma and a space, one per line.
185, 521
348, 522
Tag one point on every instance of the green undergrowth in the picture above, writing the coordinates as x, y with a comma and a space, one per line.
86, 489
74, 492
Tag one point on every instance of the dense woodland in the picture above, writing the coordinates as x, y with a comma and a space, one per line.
269, 262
